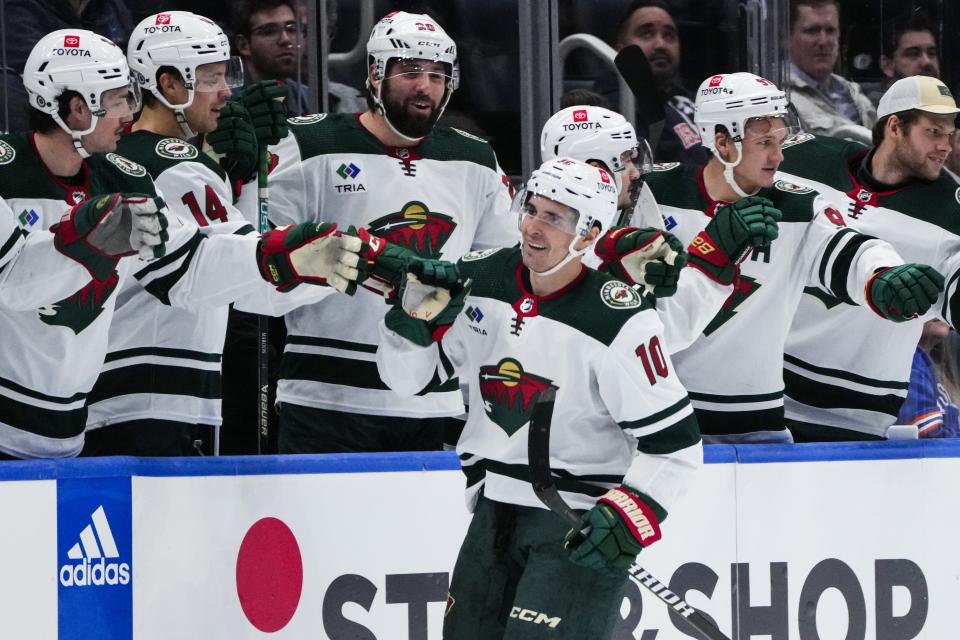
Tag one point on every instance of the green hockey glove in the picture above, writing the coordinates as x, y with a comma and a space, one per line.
736, 228
235, 142
905, 292
264, 101
615, 530
383, 265
645, 256
99, 231
309, 252
432, 296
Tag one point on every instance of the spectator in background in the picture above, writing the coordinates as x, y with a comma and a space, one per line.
576, 97
649, 25
909, 49
26, 21
828, 104
270, 37
930, 404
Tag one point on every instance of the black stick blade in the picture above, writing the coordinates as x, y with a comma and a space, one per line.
635, 70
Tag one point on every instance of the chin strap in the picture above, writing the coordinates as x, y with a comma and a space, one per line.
728, 168
185, 129
77, 136
571, 254
379, 104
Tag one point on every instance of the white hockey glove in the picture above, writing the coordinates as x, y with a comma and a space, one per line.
309, 252
99, 231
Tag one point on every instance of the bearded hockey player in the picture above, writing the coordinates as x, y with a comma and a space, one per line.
535, 319
839, 384
159, 391
743, 120
434, 190
79, 86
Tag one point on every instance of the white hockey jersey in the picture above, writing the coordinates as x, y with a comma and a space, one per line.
55, 353
33, 273
164, 362
734, 372
844, 366
440, 198
620, 414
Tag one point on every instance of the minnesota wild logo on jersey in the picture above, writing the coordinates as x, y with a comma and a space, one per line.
80, 310
509, 393
416, 228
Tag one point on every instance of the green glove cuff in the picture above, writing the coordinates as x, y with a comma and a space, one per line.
414, 330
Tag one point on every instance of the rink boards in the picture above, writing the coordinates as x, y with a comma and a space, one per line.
819, 541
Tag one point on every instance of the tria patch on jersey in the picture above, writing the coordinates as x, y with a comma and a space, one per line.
7, 153
665, 166
176, 148
509, 393
619, 295
479, 254
129, 167
796, 139
415, 227
791, 187
297, 120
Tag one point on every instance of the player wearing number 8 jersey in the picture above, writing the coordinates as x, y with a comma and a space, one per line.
733, 372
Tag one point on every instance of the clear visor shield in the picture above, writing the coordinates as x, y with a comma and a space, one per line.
529, 206
219, 76
121, 102
639, 159
767, 130
413, 69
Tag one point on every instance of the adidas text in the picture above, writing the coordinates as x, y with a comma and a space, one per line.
97, 573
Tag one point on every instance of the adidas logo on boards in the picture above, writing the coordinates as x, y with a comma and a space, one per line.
90, 566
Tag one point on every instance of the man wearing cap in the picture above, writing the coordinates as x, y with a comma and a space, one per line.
846, 370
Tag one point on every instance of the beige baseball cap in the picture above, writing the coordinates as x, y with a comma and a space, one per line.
917, 92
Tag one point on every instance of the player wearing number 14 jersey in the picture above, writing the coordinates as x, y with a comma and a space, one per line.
159, 390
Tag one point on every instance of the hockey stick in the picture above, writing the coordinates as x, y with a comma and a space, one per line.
263, 332
635, 70
538, 454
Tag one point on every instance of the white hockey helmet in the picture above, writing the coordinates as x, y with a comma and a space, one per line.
731, 100
186, 42
588, 133
411, 36
590, 191
81, 61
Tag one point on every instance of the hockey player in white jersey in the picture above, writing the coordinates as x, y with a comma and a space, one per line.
431, 189
624, 438
847, 372
733, 372
648, 255
79, 84
159, 391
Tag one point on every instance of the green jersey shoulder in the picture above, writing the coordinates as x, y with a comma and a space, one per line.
158, 152
595, 304
327, 133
